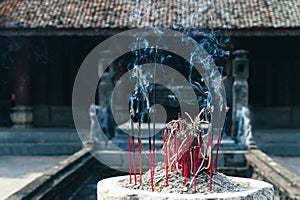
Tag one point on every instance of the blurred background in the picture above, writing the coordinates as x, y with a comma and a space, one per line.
44, 42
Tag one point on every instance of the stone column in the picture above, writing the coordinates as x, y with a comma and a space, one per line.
21, 114
240, 86
105, 91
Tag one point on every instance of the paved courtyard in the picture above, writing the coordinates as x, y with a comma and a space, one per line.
291, 163
18, 171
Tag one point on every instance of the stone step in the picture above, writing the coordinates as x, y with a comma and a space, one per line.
38, 141
39, 148
277, 136
286, 183
280, 150
278, 142
31, 135
279, 139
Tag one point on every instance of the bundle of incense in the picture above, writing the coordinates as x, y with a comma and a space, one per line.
188, 150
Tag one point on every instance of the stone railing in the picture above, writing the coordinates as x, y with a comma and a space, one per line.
286, 183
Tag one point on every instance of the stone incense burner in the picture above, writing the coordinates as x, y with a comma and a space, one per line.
189, 170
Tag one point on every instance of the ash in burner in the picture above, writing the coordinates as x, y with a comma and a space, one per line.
221, 183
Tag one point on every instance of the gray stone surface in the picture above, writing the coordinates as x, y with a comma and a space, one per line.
291, 163
18, 171
42, 141
52, 116
286, 183
278, 142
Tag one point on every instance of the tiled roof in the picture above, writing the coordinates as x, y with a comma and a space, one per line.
232, 14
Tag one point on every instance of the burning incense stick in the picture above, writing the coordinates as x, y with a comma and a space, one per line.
195, 166
185, 165
153, 160
140, 154
128, 157
139, 125
150, 154
153, 147
166, 156
219, 140
133, 152
154, 102
217, 150
210, 162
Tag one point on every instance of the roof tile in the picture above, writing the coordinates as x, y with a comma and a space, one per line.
158, 13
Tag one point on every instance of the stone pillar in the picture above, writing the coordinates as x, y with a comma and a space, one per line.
105, 92
21, 114
240, 85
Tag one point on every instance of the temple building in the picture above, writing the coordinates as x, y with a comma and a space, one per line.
44, 42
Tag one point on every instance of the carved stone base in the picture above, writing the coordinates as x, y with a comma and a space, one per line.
110, 189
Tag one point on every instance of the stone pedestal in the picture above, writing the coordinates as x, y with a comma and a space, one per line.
110, 189
21, 116
240, 91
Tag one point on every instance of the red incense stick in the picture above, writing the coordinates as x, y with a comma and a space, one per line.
219, 140
185, 166
153, 163
217, 152
199, 149
176, 150
153, 150
150, 157
210, 162
129, 162
139, 128
140, 158
133, 153
166, 157
195, 167
140, 152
